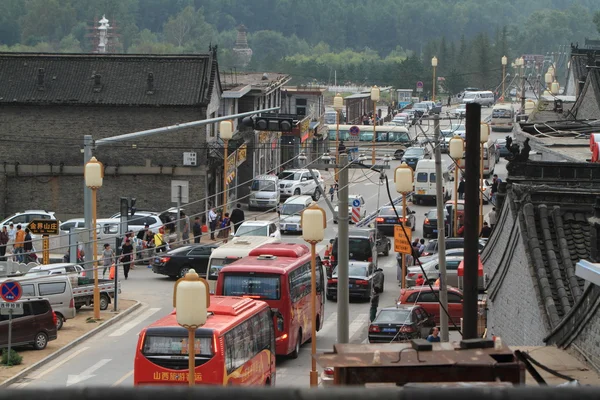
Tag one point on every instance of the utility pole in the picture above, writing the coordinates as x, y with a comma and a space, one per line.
471, 259
179, 215
343, 295
441, 227
522, 94
88, 142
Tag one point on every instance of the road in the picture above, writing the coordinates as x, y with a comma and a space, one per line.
107, 358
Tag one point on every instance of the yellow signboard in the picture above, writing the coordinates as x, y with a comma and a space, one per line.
402, 243
241, 154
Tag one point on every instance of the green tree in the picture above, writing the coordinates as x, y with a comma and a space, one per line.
597, 20
49, 20
10, 13
188, 28
69, 44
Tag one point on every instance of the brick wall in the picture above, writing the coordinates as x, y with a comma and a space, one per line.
38, 136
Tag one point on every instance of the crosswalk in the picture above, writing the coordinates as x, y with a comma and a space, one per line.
329, 328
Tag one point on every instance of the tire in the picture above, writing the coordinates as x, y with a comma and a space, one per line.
294, 354
59, 321
319, 323
104, 301
386, 252
184, 270
296, 191
316, 195
41, 341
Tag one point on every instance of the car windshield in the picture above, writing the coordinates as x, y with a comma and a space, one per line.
290, 176
470, 95
390, 211
263, 186
414, 152
251, 230
354, 270
291, 209
432, 214
393, 317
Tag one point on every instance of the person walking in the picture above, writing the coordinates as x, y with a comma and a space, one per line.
461, 189
237, 217
421, 246
225, 228
3, 243
127, 253
12, 232
212, 222
19, 244
185, 235
485, 231
160, 244
28, 247
374, 305
331, 191
434, 337
108, 258
197, 230
494, 190
492, 217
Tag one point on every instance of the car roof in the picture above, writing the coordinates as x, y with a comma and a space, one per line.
256, 223
298, 199
359, 263
409, 307
360, 232
426, 287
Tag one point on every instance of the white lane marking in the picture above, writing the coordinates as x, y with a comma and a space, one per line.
358, 322
122, 379
56, 366
88, 373
130, 325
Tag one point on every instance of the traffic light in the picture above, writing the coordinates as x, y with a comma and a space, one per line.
269, 123
124, 206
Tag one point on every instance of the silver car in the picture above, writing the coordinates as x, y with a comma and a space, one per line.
432, 271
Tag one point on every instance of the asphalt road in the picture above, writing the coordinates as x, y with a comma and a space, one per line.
107, 358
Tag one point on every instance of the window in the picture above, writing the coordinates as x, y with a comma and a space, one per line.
300, 284
175, 345
452, 265
70, 269
301, 106
427, 297
454, 298
422, 177
247, 339
419, 314
266, 287
67, 226
432, 177
52, 288
28, 290
40, 307
200, 251
319, 275
19, 219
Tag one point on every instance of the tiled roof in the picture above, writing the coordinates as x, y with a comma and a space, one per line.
106, 79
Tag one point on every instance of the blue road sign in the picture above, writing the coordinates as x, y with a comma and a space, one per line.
419, 84
10, 291
354, 130
355, 203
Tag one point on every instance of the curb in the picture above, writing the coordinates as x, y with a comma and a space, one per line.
69, 346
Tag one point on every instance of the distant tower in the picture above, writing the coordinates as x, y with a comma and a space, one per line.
104, 39
243, 53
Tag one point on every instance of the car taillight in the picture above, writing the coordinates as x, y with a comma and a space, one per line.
407, 329
379, 219
401, 220
411, 274
362, 282
370, 259
54, 318
328, 371
426, 221
72, 303
165, 259
374, 328
330, 281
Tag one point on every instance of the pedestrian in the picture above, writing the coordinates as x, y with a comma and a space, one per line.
492, 217
237, 217
494, 190
12, 231
185, 235
143, 237
485, 231
225, 228
212, 222
19, 244
197, 230
378, 280
28, 247
331, 191
461, 189
108, 258
415, 247
160, 244
374, 305
420, 281
126, 254
461, 231
421, 246
434, 337
3, 243
449, 100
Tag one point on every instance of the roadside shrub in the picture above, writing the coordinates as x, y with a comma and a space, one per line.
14, 358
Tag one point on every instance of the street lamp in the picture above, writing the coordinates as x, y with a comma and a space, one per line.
403, 178
362, 157
338, 105
226, 131
456, 148
504, 62
313, 221
375, 93
302, 159
94, 175
434, 63
483, 138
548, 80
191, 299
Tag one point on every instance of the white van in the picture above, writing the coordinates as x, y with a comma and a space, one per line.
485, 98
425, 181
232, 251
503, 115
57, 289
290, 212
264, 192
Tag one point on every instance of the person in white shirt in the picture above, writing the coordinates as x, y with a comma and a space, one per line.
212, 222
492, 217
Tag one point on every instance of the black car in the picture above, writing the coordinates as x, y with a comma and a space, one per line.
360, 280
386, 219
364, 245
401, 323
430, 225
414, 154
177, 262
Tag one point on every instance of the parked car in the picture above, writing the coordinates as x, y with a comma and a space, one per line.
386, 219
178, 262
448, 134
360, 276
258, 228
430, 224
364, 244
451, 243
413, 155
401, 323
25, 217
299, 181
458, 251
421, 109
432, 271
351, 198
434, 108
427, 298
138, 221
36, 327
459, 112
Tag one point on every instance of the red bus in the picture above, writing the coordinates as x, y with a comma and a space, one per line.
236, 346
279, 274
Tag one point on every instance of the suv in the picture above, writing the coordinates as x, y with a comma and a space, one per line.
361, 246
451, 243
137, 221
428, 299
293, 182
37, 325
25, 217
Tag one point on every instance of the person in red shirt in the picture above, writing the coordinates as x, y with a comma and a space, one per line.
420, 281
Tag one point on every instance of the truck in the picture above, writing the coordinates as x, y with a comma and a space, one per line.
83, 292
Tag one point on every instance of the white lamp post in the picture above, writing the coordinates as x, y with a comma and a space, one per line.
504, 62
94, 176
548, 79
434, 63
302, 159
226, 132
191, 300
403, 178
313, 222
375, 94
338, 105
484, 136
456, 149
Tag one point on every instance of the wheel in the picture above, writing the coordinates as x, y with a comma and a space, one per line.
383, 285
104, 301
184, 270
318, 322
297, 191
59, 321
386, 252
40, 342
296, 352
250, 208
317, 195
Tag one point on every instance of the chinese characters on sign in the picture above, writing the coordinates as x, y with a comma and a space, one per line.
175, 376
401, 240
43, 227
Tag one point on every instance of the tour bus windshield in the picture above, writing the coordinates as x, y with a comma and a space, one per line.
264, 287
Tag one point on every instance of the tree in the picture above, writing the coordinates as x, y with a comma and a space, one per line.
189, 28
597, 20
49, 20
10, 13
69, 44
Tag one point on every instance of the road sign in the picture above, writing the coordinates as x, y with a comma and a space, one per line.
401, 242
10, 291
355, 214
354, 130
356, 203
43, 227
419, 85
14, 308
419, 90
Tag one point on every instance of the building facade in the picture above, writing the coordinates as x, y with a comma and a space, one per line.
50, 101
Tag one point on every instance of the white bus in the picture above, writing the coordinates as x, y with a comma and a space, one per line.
237, 248
503, 115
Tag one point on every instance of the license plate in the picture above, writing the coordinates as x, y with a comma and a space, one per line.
421, 192
350, 286
291, 227
435, 231
390, 221
157, 260
389, 330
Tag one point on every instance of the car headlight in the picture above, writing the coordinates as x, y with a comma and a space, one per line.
289, 185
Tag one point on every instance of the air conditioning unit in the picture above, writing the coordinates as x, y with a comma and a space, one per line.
190, 159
